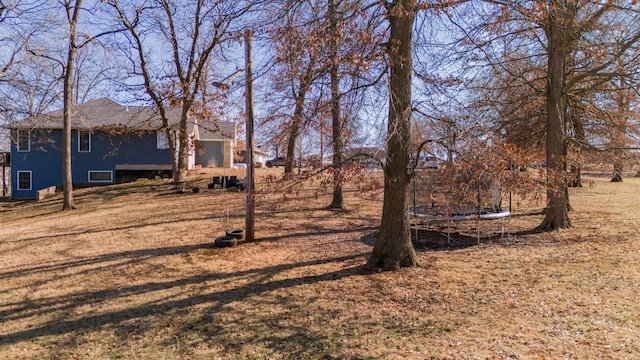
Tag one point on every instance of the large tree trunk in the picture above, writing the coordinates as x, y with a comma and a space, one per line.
556, 215
393, 248
67, 177
338, 199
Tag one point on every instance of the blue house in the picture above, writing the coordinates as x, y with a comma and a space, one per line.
110, 143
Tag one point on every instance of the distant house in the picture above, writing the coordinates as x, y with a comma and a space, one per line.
110, 143
260, 156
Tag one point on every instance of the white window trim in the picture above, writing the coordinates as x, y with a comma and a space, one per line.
84, 131
162, 141
28, 141
99, 171
18, 180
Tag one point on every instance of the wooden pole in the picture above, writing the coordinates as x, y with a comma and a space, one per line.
250, 203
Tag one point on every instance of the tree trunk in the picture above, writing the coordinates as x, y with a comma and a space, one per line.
294, 133
183, 145
170, 133
67, 177
617, 171
393, 248
296, 123
556, 215
338, 199
67, 174
576, 176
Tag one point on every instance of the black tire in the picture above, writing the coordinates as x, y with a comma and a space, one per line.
195, 189
237, 234
226, 241
269, 164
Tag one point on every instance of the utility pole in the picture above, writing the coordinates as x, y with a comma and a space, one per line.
248, 159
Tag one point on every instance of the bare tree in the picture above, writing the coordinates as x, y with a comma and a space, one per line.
17, 29
76, 37
298, 63
169, 44
355, 65
393, 248
552, 56
73, 15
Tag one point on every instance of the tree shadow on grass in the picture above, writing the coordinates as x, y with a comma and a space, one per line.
127, 227
316, 231
431, 240
428, 240
121, 259
255, 282
438, 240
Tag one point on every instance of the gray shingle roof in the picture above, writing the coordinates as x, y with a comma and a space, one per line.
106, 113
215, 131
103, 113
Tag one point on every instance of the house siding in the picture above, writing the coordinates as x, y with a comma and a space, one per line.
44, 160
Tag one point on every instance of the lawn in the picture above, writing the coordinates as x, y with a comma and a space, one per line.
132, 274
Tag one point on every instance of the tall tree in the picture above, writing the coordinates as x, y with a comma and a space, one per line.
19, 80
298, 64
66, 16
337, 201
573, 46
354, 66
566, 22
73, 15
192, 32
393, 248
559, 15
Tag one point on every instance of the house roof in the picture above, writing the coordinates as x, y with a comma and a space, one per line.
103, 113
215, 131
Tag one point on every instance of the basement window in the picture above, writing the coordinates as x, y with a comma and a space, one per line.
100, 176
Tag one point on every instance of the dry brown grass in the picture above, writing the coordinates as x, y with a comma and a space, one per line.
131, 274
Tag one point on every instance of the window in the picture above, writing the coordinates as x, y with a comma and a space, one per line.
24, 140
163, 143
24, 180
84, 141
100, 176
